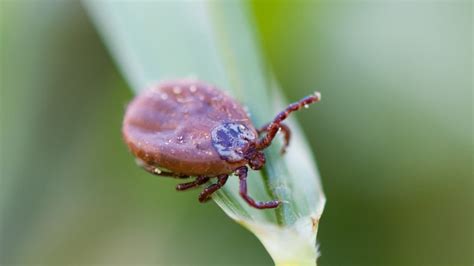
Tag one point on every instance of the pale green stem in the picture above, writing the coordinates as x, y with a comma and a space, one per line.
214, 41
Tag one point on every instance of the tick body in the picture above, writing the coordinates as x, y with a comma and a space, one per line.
187, 128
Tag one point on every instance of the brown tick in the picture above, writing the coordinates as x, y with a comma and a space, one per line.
185, 128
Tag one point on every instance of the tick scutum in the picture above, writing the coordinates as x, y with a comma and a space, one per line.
231, 140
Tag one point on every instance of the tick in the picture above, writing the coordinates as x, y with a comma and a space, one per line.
187, 128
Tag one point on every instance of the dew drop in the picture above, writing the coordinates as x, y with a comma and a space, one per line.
247, 111
317, 94
306, 106
193, 88
177, 90
182, 100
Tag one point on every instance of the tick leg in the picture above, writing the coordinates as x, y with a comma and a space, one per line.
155, 171
286, 135
197, 182
207, 192
242, 173
273, 126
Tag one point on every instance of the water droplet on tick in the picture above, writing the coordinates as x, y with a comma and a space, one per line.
177, 90
182, 100
247, 111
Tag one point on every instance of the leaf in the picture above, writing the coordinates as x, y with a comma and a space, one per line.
214, 41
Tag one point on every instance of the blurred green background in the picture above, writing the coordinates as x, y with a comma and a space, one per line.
393, 138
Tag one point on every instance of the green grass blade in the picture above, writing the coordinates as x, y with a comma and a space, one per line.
213, 41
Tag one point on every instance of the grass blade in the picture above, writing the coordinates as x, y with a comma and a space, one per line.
213, 41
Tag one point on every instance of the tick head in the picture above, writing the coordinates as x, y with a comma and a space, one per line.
256, 159
233, 141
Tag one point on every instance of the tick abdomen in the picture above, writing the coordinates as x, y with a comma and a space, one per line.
170, 126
